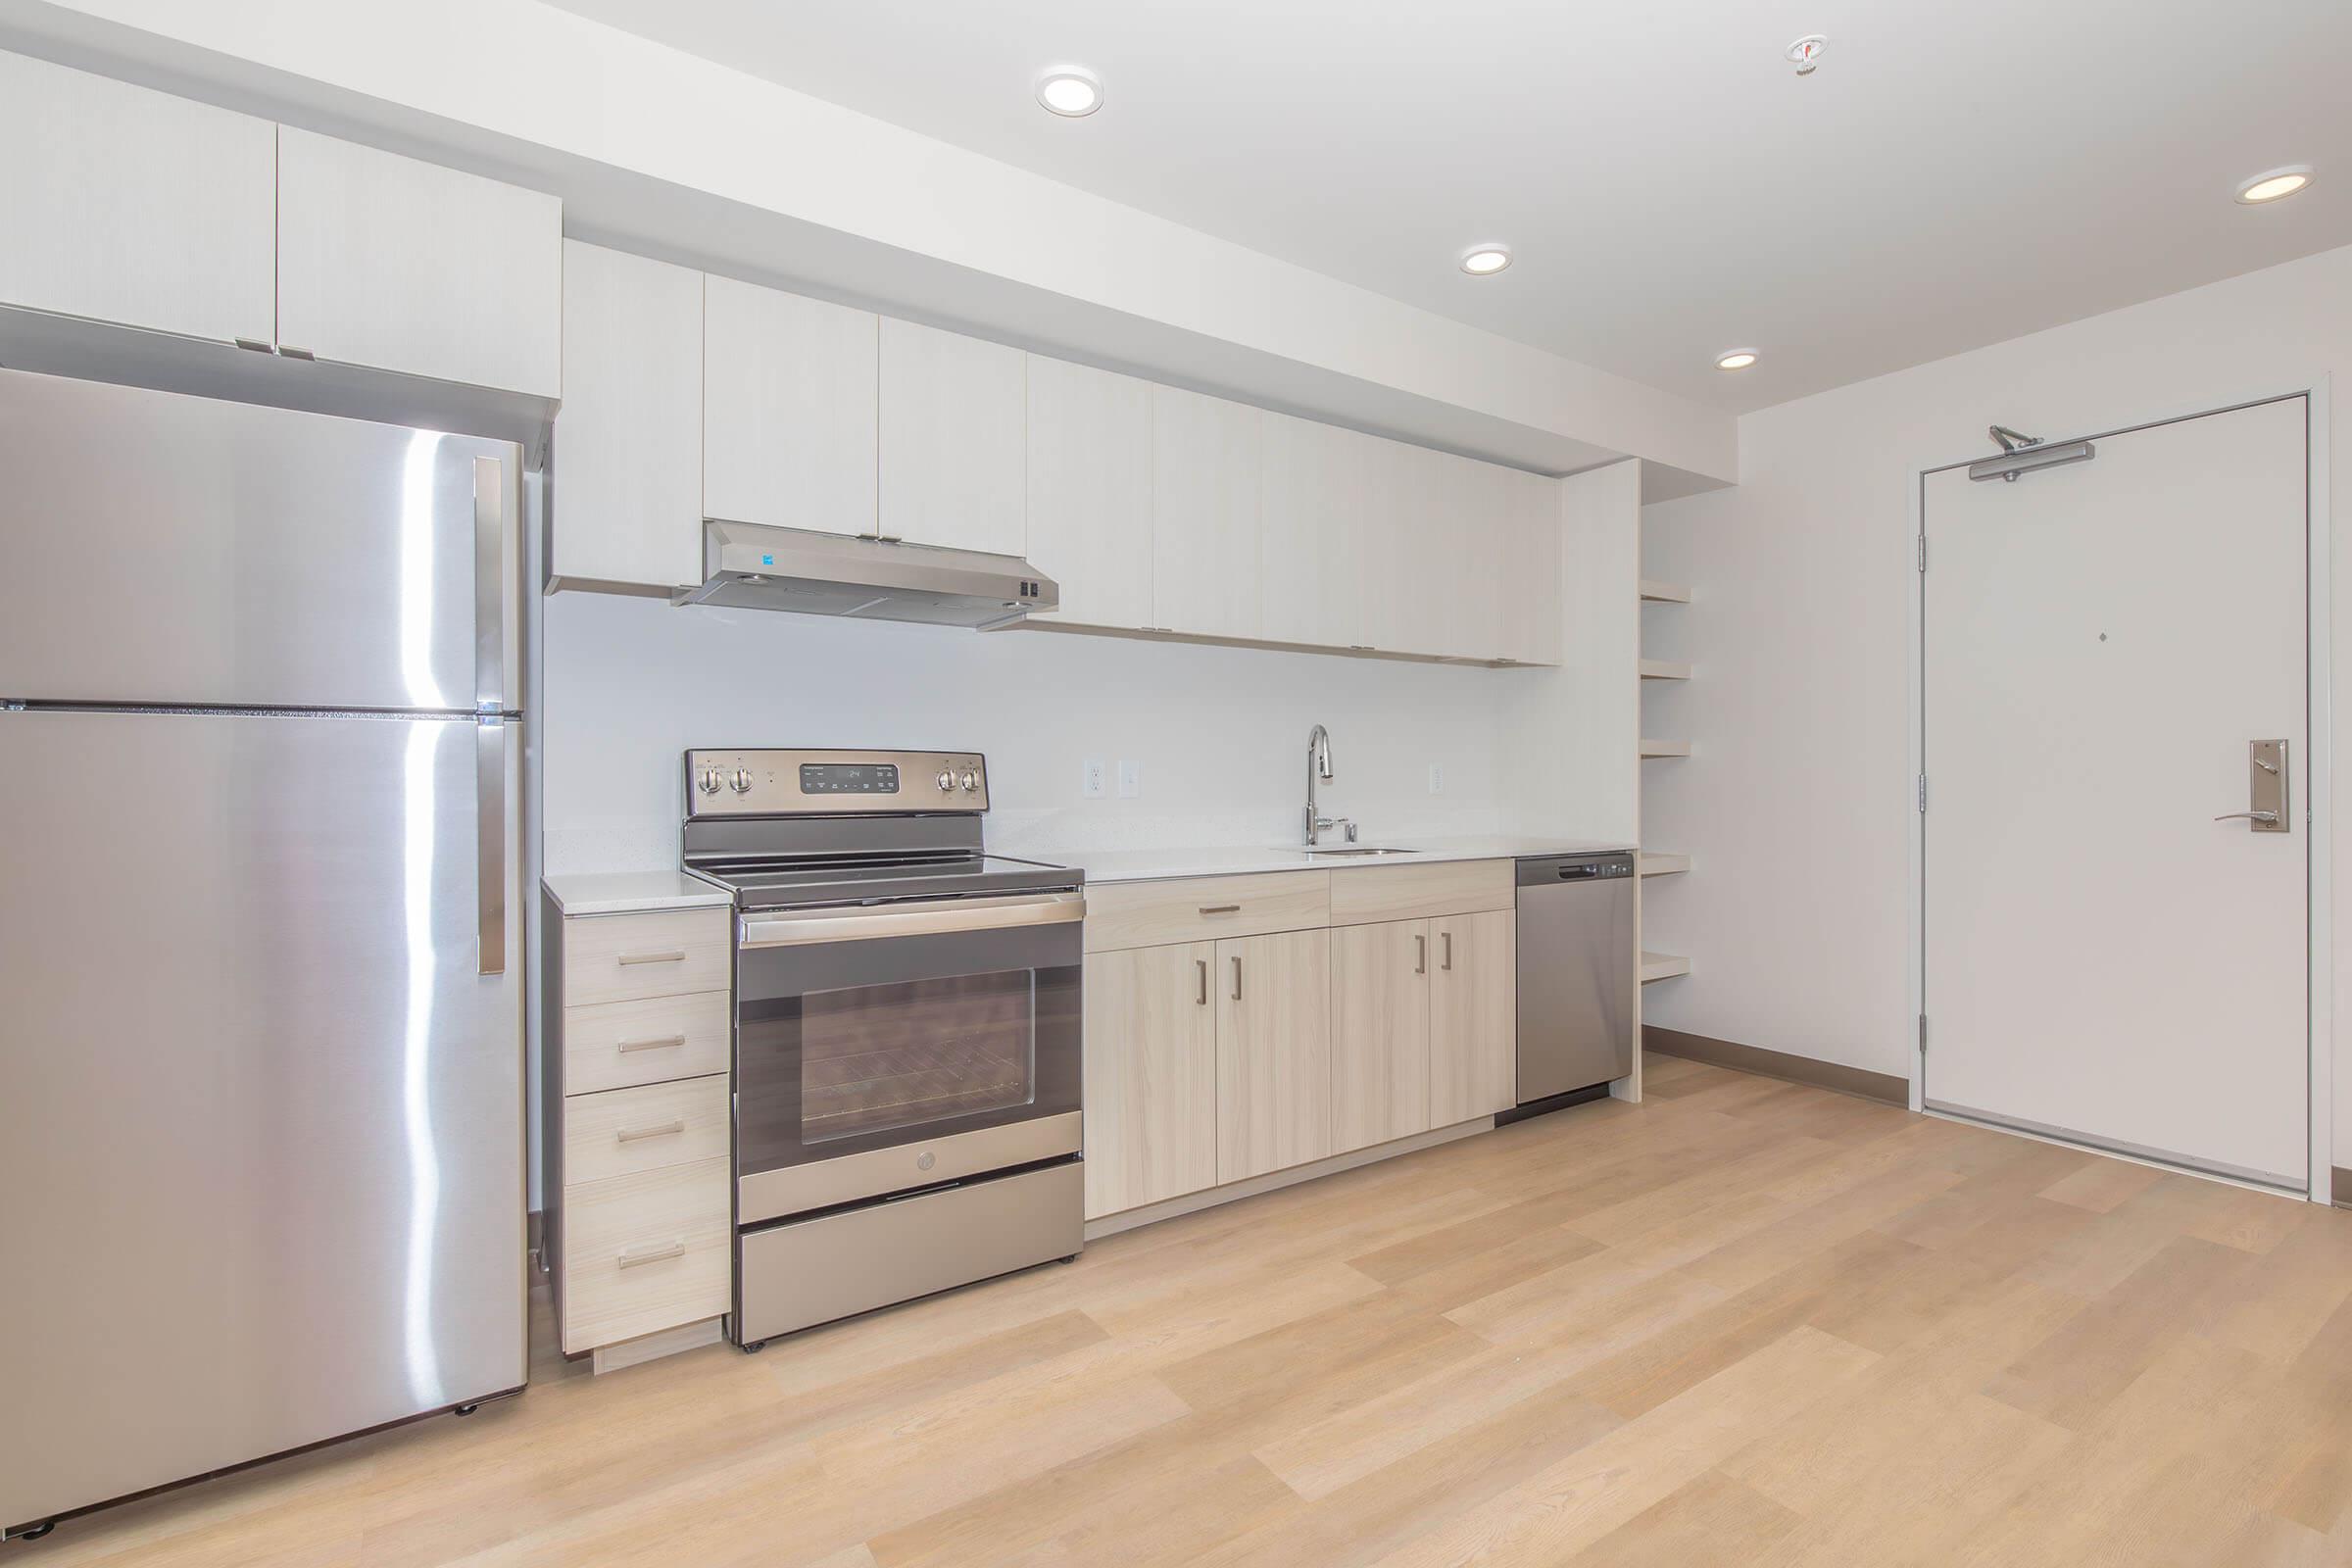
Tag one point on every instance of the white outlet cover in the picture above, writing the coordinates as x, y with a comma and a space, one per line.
1437, 778
1091, 779
1131, 780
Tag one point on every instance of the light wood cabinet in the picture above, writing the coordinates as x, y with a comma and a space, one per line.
954, 443
132, 205
627, 496
1473, 1016
1089, 526
1273, 1053
1150, 1075
1379, 1033
1204, 516
791, 390
406, 266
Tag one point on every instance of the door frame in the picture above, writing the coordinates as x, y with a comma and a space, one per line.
2320, 746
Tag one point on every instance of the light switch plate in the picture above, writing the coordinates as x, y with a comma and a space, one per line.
1090, 780
1131, 780
1437, 778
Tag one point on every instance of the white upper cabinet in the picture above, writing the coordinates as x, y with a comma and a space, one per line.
124, 205
627, 499
1533, 596
1204, 516
403, 265
1089, 491
790, 399
1319, 497
954, 441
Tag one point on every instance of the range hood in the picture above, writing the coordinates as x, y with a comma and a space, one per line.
750, 565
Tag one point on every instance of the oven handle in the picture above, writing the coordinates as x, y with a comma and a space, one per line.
800, 928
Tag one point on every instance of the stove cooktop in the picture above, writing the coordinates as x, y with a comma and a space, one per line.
815, 881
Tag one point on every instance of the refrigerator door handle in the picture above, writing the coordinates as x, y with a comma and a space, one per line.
490, 838
490, 531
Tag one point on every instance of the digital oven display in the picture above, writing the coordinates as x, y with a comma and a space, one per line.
848, 778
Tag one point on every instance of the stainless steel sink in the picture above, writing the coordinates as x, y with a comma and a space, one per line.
1317, 854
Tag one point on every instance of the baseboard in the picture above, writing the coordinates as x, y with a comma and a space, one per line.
1857, 1081
1272, 1181
660, 1343
2339, 1186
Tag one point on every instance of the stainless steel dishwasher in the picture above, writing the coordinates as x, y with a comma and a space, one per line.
1579, 972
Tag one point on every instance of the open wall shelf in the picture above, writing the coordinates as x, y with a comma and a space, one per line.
1662, 966
1657, 862
1654, 592
1665, 748
1664, 670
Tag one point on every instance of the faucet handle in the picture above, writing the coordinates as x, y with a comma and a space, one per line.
1352, 830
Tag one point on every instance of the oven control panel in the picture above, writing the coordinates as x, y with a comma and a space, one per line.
780, 783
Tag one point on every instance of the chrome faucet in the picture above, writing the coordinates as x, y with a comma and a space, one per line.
1318, 766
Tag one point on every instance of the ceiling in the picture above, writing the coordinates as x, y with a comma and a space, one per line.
1955, 173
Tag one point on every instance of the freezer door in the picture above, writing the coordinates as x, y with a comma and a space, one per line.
163, 549
264, 1159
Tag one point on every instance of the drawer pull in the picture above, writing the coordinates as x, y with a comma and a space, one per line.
673, 955
1220, 909
655, 1043
629, 1135
630, 1258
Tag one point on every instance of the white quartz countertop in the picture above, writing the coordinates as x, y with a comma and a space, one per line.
632, 892
1148, 866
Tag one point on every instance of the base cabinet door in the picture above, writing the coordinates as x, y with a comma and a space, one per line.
1473, 1009
1379, 1033
1151, 1076
1273, 1053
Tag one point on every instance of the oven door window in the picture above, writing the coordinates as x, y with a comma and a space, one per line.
916, 1052
845, 1046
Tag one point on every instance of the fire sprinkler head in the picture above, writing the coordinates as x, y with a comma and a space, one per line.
1806, 53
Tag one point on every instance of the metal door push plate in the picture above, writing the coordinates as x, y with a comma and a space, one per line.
2266, 789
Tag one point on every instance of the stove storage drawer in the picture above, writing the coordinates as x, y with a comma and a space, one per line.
665, 952
1150, 914
623, 1131
615, 1045
645, 1251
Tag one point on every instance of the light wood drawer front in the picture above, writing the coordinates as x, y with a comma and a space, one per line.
1151, 914
623, 1131
1364, 894
613, 1045
645, 1251
618, 958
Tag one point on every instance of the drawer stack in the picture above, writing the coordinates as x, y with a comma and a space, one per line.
639, 1152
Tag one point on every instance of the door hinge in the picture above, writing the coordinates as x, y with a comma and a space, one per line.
1923, 792
1923, 551
1923, 1034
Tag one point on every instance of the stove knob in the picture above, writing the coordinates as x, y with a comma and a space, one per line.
971, 781
946, 781
708, 781
743, 781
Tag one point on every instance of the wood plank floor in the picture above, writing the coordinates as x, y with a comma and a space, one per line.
1744, 1323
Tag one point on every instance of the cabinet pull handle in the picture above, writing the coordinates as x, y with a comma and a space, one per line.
1420, 954
1237, 977
1447, 962
629, 1135
656, 1044
1204, 964
631, 1257
673, 955
1220, 909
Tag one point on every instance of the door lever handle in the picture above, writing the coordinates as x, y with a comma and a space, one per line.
2248, 817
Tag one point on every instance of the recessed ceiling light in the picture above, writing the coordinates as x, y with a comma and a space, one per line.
1071, 91
1735, 359
1485, 261
2277, 182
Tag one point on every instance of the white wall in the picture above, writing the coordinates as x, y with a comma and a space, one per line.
1798, 803
1221, 732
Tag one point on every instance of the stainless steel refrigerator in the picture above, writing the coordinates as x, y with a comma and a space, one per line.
262, 1164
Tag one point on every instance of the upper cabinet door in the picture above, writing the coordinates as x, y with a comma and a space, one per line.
1205, 517
1532, 601
628, 501
1321, 515
1089, 491
953, 448
124, 205
403, 265
789, 403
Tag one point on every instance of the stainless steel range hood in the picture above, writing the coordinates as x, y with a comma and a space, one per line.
753, 567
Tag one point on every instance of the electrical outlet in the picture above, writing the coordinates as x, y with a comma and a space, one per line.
1090, 780
1131, 780
1437, 778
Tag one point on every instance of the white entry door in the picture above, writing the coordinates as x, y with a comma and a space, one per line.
2103, 961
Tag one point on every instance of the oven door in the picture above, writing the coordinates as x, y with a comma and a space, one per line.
884, 1048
